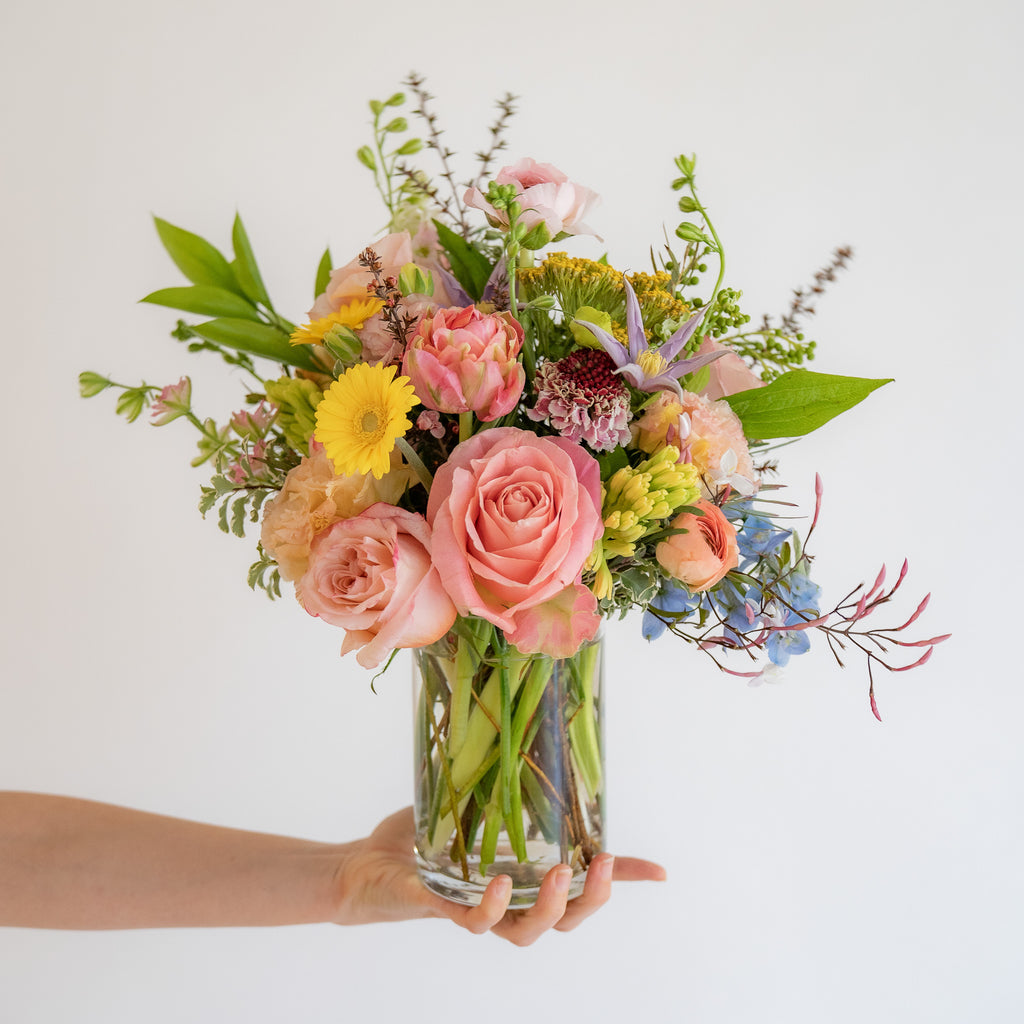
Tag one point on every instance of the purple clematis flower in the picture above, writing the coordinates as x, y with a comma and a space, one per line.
651, 369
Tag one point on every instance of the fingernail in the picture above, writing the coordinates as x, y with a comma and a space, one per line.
563, 876
605, 866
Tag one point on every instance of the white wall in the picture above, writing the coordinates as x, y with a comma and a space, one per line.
823, 867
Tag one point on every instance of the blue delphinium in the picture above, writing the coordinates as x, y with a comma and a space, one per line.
781, 646
672, 600
759, 537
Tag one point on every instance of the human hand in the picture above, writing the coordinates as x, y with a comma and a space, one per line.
378, 882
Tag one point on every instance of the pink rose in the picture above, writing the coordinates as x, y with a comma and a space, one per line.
546, 196
729, 373
514, 518
373, 576
701, 557
461, 360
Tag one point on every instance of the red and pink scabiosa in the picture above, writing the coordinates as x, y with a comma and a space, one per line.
581, 397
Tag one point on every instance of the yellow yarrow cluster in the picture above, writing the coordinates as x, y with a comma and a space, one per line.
577, 282
636, 501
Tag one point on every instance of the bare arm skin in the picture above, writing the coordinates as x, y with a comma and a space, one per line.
69, 863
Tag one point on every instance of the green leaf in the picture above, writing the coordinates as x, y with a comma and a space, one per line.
471, 268
323, 274
222, 518
130, 403
798, 402
206, 299
246, 270
199, 261
409, 147
90, 384
207, 499
365, 156
257, 339
238, 515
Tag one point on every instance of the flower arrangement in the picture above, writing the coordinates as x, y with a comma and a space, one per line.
478, 446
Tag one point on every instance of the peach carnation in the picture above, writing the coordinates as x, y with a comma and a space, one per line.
313, 498
706, 431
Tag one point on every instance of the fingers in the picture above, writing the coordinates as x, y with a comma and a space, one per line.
633, 869
523, 927
490, 911
596, 892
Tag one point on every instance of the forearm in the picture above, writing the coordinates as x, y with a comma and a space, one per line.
67, 863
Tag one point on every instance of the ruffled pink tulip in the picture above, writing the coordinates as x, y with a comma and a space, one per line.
461, 360
373, 576
514, 518
703, 555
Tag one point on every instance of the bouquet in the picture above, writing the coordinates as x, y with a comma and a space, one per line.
478, 446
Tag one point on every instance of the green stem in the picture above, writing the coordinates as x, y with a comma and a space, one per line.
465, 426
416, 463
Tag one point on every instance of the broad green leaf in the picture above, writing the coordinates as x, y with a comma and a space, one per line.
205, 299
471, 268
256, 339
245, 268
199, 261
323, 274
798, 402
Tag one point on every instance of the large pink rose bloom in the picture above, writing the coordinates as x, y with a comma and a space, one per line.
373, 576
546, 195
514, 518
461, 360
705, 553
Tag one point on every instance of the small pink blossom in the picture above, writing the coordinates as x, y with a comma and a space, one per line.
546, 196
173, 401
252, 423
461, 360
429, 421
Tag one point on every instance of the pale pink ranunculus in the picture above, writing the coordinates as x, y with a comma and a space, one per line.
515, 517
729, 373
546, 196
314, 497
461, 360
373, 576
703, 555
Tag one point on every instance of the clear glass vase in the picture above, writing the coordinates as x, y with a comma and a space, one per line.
508, 760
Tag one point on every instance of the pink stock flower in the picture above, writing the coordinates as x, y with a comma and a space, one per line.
546, 196
373, 576
461, 360
173, 401
514, 518
583, 399
702, 556
729, 373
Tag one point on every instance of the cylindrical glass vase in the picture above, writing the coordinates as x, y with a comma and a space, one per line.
509, 766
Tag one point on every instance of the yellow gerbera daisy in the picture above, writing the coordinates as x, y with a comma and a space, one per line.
353, 314
361, 416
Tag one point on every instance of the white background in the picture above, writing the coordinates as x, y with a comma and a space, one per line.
822, 866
